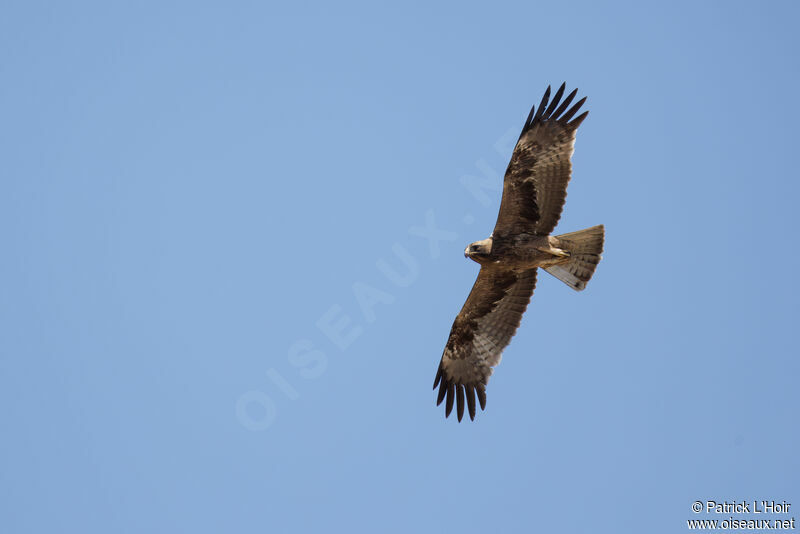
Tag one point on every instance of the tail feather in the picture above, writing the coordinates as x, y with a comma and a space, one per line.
584, 247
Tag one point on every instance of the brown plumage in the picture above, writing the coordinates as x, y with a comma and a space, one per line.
534, 190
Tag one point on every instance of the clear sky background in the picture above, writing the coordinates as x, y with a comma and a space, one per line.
221, 313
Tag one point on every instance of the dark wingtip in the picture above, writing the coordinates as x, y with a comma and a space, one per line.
459, 396
460, 401
553, 111
482, 396
578, 120
564, 104
554, 103
442, 391
470, 391
451, 393
542, 105
530, 116
573, 110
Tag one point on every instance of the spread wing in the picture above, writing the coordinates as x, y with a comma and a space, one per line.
535, 184
481, 331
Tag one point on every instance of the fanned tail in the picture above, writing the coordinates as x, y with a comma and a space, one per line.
584, 247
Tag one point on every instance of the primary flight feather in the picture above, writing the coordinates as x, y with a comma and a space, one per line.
534, 190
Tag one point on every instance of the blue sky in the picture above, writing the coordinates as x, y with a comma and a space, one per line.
221, 311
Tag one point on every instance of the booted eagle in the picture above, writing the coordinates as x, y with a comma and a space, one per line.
534, 189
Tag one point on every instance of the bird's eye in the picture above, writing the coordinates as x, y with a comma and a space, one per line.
474, 248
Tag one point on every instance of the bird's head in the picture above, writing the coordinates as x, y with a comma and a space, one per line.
479, 251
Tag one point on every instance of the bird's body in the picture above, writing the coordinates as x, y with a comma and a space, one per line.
520, 252
534, 190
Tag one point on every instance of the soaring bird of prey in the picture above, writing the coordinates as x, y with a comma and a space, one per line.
534, 189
